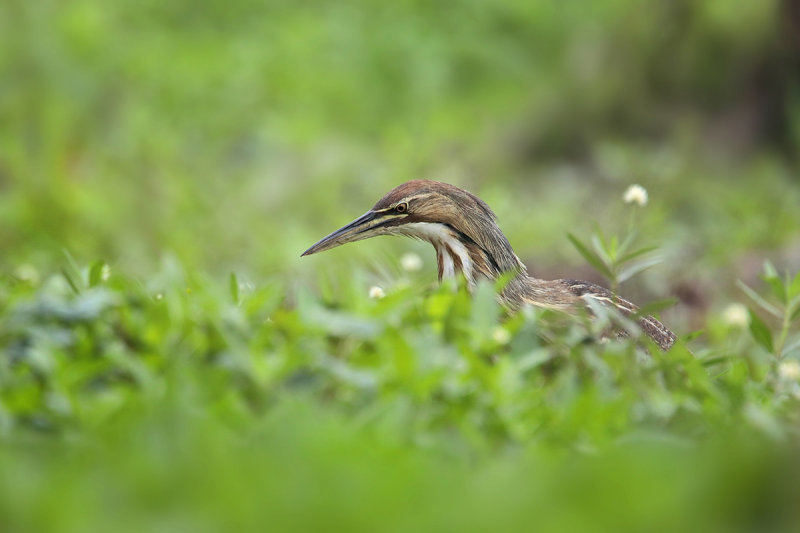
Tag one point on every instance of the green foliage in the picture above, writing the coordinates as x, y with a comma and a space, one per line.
786, 292
202, 394
202, 377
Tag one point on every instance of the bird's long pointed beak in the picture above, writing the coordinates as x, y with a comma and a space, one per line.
354, 231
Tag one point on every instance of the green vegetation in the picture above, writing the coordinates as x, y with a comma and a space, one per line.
168, 362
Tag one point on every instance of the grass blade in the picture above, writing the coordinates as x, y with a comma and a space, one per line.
636, 253
591, 257
761, 332
634, 269
766, 306
233, 285
96, 273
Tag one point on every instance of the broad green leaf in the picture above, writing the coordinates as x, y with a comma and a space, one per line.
760, 332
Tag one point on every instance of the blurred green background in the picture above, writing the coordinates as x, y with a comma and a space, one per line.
235, 134
181, 141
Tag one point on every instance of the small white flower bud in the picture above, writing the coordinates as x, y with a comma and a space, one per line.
376, 293
789, 370
635, 194
411, 262
27, 272
736, 315
501, 335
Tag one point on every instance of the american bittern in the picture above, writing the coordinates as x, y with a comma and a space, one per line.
465, 234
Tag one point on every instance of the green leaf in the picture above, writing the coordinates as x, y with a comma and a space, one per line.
504, 279
603, 249
634, 269
70, 280
760, 332
769, 270
709, 361
791, 346
613, 247
625, 244
233, 285
775, 282
96, 273
654, 307
794, 288
591, 257
692, 335
766, 306
636, 253
72, 273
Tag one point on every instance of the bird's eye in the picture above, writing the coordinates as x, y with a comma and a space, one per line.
401, 208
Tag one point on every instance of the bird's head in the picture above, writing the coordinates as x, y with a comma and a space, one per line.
461, 227
410, 209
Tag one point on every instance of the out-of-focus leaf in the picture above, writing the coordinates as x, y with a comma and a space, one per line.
764, 421
604, 250
775, 282
636, 253
692, 335
760, 332
657, 306
766, 306
794, 288
591, 257
632, 270
233, 286
70, 280
791, 346
485, 312
96, 273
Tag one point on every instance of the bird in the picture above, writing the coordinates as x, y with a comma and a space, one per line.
468, 240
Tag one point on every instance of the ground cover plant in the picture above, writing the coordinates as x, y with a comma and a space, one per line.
169, 362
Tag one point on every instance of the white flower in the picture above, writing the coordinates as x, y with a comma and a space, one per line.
789, 370
27, 272
736, 315
376, 293
411, 262
501, 335
635, 194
